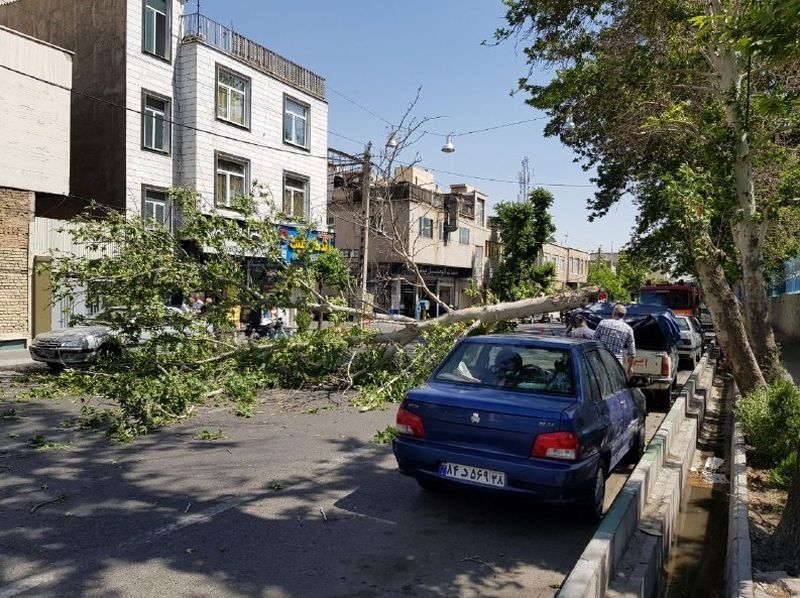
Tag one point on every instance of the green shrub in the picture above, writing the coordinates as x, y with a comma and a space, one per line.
771, 422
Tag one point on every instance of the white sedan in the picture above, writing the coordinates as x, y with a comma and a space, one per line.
691, 345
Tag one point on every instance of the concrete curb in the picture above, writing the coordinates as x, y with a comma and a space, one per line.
672, 447
739, 574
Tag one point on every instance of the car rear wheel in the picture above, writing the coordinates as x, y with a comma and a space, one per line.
597, 495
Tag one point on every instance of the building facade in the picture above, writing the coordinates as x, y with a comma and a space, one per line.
36, 78
412, 220
168, 99
572, 265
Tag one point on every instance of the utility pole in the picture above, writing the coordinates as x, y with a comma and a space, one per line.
366, 170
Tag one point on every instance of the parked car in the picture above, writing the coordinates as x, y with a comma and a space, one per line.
543, 417
657, 337
691, 345
82, 344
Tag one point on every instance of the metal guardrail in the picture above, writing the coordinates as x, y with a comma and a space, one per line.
197, 27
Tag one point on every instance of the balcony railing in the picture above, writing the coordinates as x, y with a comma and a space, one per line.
197, 27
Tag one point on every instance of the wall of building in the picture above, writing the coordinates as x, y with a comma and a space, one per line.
16, 209
785, 315
156, 75
35, 114
96, 33
262, 144
435, 251
572, 265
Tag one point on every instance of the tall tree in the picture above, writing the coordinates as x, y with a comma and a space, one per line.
525, 226
651, 87
685, 104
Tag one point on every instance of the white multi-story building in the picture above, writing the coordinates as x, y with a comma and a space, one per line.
164, 99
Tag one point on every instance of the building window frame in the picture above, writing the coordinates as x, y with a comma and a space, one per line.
463, 236
167, 56
150, 223
306, 123
425, 227
306, 186
230, 92
167, 121
226, 201
480, 212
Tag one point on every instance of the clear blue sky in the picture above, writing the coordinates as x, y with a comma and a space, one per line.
378, 53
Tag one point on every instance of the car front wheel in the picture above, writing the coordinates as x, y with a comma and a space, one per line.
55, 367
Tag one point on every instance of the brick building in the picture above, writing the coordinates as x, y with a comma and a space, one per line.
35, 79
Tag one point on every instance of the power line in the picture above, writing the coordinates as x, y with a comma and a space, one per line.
262, 145
172, 122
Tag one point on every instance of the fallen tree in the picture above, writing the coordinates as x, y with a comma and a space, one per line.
491, 314
166, 361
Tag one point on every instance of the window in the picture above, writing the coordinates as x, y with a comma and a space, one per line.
511, 367
463, 236
480, 211
231, 179
295, 122
590, 388
154, 207
600, 373
619, 381
156, 28
155, 125
426, 228
295, 196
233, 97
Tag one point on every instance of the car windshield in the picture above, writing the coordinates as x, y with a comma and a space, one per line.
510, 367
673, 299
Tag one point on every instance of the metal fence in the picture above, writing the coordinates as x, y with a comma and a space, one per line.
788, 281
197, 27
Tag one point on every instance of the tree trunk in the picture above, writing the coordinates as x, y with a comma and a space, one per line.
729, 324
749, 232
749, 236
785, 542
494, 313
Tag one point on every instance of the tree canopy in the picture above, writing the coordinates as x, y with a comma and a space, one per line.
524, 226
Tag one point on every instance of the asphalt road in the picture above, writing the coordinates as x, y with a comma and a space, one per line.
294, 502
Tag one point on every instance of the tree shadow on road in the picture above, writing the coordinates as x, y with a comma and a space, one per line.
169, 515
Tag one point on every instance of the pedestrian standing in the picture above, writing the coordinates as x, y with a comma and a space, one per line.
617, 337
580, 329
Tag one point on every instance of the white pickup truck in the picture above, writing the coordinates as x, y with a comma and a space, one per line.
657, 334
660, 367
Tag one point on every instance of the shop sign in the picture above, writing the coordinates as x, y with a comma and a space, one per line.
294, 240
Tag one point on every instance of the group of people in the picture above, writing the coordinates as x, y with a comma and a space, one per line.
615, 334
196, 304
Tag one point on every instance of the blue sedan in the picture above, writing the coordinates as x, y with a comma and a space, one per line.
542, 417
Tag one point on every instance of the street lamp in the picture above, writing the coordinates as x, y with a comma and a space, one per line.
391, 144
448, 147
569, 125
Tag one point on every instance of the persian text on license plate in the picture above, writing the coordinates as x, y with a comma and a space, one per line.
475, 475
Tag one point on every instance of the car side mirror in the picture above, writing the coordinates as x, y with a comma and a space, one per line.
638, 382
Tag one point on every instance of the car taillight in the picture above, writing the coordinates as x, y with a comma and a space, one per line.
409, 424
556, 445
665, 365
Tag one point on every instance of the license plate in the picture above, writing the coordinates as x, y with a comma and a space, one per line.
46, 353
475, 475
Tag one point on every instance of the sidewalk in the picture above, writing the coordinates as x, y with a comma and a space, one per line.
15, 359
790, 355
